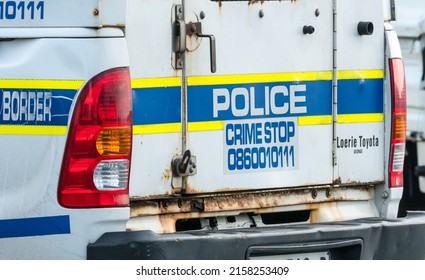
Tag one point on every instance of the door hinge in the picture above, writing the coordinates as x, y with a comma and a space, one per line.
181, 30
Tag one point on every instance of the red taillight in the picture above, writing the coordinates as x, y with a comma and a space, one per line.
96, 165
398, 123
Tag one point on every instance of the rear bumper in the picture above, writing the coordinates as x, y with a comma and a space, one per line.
370, 238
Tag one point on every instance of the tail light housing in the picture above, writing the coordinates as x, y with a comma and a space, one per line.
398, 122
96, 165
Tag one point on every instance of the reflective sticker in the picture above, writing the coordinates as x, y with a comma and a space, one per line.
35, 226
260, 145
36, 107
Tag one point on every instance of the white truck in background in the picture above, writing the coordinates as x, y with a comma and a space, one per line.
203, 129
410, 27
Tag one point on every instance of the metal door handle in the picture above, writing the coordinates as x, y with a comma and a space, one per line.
213, 53
195, 28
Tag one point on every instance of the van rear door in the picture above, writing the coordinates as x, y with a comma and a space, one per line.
359, 129
263, 120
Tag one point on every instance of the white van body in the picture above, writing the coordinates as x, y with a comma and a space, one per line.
246, 117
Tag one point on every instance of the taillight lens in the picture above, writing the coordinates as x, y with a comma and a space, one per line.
96, 165
398, 131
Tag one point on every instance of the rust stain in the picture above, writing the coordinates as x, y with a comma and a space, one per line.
325, 212
168, 224
251, 2
192, 190
248, 201
337, 181
166, 175
119, 25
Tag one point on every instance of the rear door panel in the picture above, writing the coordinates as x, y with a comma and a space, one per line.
264, 119
359, 132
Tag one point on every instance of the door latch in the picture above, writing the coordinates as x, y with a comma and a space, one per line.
184, 165
181, 30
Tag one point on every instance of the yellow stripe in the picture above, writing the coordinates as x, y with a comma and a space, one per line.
219, 125
258, 78
157, 128
314, 120
156, 82
41, 84
360, 74
32, 130
360, 118
255, 78
206, 126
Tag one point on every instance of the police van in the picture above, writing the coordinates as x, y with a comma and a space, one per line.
202, 129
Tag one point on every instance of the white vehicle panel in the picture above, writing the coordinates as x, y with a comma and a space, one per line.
359, 131
32, 223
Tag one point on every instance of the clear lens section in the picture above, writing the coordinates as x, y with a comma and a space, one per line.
398, 159
111, 175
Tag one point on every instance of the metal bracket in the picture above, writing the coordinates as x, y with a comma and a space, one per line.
184, 165
181, 30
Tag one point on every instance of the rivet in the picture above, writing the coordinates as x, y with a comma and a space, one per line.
261, 14
202, 15
317, 12
95, 12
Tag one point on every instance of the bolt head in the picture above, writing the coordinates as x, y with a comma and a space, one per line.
261, 14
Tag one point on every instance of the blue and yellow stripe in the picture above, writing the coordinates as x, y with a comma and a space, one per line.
157, 102
156, 105
360, 99
62, 96
360, 96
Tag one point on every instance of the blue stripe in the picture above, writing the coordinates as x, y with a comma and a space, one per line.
156, 105
318, 100
44, 107
361, 96
35, 226
163, 105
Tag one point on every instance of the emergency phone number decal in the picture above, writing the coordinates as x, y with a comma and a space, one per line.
260, 145
10, 10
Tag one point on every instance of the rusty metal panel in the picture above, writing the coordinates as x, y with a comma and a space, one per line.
325, 203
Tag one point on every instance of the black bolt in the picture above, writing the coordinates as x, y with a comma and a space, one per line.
261, 14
